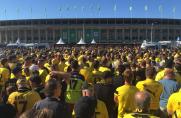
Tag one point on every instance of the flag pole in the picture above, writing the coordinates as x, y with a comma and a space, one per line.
115, 8
146, 10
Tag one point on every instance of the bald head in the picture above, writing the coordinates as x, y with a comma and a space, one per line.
142, 100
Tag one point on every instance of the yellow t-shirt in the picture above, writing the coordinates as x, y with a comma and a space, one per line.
103, 69
154, 88
174, 104
86, 72
96, 76
47, 65
43, 73
23, 101
160, 75
125, 96
61, 66
4, 75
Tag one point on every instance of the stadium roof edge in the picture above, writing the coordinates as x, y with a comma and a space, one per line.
88, 19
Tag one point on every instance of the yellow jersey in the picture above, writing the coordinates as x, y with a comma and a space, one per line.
23, 100
154, 88
125, 96
174, 104
139, 115
4, 75
100, 111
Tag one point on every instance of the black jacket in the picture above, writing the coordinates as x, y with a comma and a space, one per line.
60, 109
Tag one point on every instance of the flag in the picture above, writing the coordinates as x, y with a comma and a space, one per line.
160, 8
31, 10
17, 10
146, 8
83, 8
60, 9
91, 7
130, 8
45, 13
68, 8
115, 7
174, 9
5, 11
98, 8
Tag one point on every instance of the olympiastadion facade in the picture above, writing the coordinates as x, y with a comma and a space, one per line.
102, 30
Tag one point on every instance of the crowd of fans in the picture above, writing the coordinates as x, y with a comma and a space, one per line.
91, 82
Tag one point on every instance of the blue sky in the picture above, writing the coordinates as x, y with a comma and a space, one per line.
36, 9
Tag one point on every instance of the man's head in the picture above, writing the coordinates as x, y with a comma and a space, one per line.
4, 62
169, 74
17, 71
41, 63
150, 72
85, 107
53, 88
87, 89
35, 81
22, 84
74, 65
142, 100
169, 64
128, 76
28, 61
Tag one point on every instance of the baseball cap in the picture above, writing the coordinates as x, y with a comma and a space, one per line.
34, 68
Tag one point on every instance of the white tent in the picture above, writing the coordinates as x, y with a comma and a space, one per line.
178, 38
81, 41
60, 42
93, 41
18, 41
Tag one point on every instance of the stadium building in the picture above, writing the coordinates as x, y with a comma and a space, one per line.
102, 30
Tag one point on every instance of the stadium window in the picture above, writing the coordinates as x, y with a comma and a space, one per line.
95, 21
35, 22
57, 22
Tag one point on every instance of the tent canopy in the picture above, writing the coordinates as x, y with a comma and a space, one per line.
60, 41
93, 41
81, 41
18, 41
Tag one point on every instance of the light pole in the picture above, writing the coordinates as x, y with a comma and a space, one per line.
152, 24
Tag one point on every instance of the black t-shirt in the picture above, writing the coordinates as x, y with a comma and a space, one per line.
105, 93
40, 91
